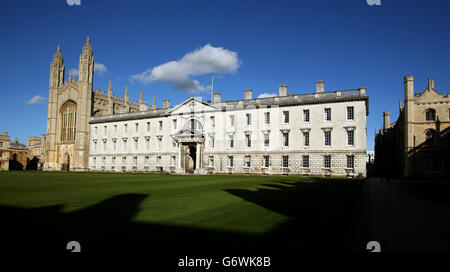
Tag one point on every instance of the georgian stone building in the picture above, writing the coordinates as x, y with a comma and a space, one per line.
321, 133
418, 143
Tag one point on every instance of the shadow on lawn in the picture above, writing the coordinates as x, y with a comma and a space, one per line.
325, 216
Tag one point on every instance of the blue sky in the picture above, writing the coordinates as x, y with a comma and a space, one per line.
348, 44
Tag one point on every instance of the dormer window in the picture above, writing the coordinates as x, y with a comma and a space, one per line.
430, 115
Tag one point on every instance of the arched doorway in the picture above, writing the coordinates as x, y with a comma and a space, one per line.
66, 163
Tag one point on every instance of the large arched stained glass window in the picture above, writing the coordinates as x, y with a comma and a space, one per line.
67, 121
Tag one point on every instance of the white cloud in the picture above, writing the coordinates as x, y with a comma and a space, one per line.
37, 99
100, 69
205, 60
264, 95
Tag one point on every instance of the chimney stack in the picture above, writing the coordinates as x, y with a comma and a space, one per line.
409, 87
386, 119
248, 94
320, 86
282, 90
430, 83
216, 98
166, 103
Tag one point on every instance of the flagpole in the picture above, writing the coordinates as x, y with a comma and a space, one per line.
212, 88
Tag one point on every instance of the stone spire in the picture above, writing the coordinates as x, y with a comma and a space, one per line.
87, 46
110, 88
141, 98
126, 93
57, 69
154, 102
70, 76
58, 56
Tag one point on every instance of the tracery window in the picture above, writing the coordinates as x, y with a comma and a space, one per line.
67, 121
430, 115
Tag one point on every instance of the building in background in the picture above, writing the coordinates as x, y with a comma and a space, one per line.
321, 133
13, 155
36, 153
418, 143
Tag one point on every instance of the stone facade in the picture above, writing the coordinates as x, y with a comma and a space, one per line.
418, 143
71, 104
196, 136
13, 155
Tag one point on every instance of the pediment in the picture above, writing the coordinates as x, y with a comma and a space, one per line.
190, 105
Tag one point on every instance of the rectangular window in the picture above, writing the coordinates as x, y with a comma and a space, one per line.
124, 144
124, 160
115, 129
266, 139
104, 145
147, 142
160, 142
137, 127
249, 119
158, 160
247, 161
350, 161
211, 142
213, 121
350, 113
285, 161
147, 159
95, 161
232, 120
113, 160
135, 160
327, 161
266, 161
174, 123
231, 140
173, 160
286, 139
211, 160
306, 161
136, 143
125, 128
104, 160
327, 135
230, 161
148, 126
306, 138
248, 140
160, 125
267, 118
105, 130
95, 145
96, 130
114, 145
286, 117
305, 115
350, 137
327, 114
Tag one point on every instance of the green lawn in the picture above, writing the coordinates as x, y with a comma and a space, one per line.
117, 210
